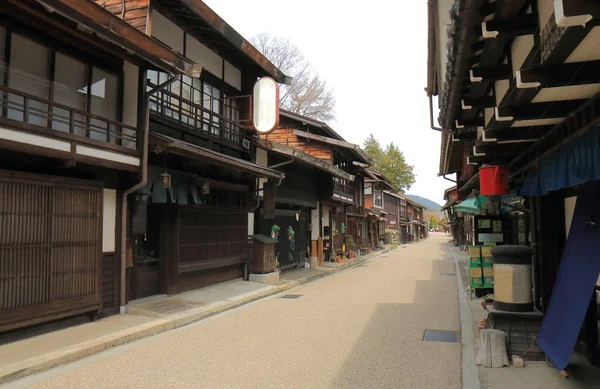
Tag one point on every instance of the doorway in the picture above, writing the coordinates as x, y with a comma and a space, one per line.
147, 264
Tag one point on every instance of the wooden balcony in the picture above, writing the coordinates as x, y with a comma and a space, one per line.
39, 126
343, 190
171, 108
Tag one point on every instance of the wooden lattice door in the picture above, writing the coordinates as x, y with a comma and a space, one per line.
50, 249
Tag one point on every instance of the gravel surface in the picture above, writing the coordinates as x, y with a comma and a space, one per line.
360, 328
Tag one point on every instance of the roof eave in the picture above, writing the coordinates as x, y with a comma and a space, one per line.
236, 39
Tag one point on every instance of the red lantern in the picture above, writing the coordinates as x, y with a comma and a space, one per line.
493, 180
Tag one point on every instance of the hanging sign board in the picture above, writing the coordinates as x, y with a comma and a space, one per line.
265, 110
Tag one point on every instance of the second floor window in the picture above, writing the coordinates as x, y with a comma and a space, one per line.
198, 104
56, 89
378, 199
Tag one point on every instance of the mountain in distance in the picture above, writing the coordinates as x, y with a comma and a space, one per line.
431, 205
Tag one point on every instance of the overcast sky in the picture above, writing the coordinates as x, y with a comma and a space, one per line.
373, 55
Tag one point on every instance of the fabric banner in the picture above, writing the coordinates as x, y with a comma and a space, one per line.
573, 164
576, 280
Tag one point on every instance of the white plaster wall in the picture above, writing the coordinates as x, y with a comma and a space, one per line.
130, 99
167, 32
233, 76
109, 220
545, 11
325, 217
588, 49
573, 92
540, 122
262, 159
488, 114
520, 49
502, 87
314, 221
202, 55
250, 223
569, 210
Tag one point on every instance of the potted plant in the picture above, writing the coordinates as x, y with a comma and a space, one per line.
350, 246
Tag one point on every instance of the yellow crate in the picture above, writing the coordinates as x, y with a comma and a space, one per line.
486, 251
475, 272
474, 251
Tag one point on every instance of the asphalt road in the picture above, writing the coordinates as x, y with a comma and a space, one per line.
360, 328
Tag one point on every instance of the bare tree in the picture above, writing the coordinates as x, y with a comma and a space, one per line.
308, 94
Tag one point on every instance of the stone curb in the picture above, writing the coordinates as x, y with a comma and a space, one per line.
156, 326
469, 371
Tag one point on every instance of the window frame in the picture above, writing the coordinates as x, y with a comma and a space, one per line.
54, 46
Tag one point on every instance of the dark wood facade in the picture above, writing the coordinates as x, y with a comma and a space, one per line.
333, 170
50, 248
70, 145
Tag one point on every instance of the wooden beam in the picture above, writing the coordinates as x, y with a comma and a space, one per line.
526, 24
479, 103
567, 74
534, 111
491, 73
516, 133
476, 122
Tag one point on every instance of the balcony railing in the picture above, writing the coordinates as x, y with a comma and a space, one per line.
42, 113
172, 107
343, 187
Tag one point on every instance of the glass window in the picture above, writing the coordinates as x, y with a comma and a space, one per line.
29, 68
70, 89
368, 190
103, 95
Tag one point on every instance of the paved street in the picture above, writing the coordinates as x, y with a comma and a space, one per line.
360, 328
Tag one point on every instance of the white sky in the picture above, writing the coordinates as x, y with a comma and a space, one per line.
375, 58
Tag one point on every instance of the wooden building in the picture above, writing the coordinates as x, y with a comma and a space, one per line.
190, 225
418, 228
123, 173
518, 86
330, 194
72, 135
375, 185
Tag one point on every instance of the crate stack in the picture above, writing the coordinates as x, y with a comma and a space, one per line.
481, 270
487, 265
475, 269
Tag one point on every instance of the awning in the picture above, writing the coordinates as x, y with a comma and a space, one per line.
186, 188
301, 156
576, 163
190, 150
472, 205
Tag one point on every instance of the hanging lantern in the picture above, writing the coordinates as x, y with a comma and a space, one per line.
165, 180
205, 190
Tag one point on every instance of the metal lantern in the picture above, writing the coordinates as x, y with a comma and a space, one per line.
165, 180
205, 190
